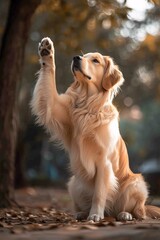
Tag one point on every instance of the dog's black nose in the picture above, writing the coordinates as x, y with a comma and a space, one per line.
76, 66
77, 58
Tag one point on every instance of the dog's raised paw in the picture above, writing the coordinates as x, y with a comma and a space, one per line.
45, 47
124, 216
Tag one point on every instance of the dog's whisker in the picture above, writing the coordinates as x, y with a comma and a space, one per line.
82, 52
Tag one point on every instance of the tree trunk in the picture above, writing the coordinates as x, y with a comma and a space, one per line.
19, 179
11, 63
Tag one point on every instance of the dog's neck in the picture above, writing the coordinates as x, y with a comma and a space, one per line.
86, 96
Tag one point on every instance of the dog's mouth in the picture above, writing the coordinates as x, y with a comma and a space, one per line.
76, 67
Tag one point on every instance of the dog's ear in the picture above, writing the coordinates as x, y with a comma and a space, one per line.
112, 75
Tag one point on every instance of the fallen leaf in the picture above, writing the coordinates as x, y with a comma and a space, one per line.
89, 227
17, 230
115, 224
4, 225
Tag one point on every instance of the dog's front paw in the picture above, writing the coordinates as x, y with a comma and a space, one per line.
95, 217
124, 216
46, 47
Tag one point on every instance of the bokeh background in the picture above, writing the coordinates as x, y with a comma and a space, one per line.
128, 31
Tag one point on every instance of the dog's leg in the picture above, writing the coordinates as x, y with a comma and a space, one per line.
131, 201
138, 212
105, 185
47, 104
81, 198
45, 89
124, 216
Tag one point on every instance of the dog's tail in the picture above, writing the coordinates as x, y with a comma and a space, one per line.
152, 211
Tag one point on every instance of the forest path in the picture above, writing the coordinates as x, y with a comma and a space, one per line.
46, 215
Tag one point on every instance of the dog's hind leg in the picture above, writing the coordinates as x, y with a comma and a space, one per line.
132, 198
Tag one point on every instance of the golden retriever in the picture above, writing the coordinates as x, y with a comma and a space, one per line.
86, 123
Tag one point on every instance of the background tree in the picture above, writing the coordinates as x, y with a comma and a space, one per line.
11, 64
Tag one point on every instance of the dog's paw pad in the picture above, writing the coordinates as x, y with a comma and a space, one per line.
47, 42
45, 47
124, 216
44, 52
49, 47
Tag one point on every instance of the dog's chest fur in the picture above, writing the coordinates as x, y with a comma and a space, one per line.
95, 134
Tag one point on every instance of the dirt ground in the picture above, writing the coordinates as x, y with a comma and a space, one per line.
45, 214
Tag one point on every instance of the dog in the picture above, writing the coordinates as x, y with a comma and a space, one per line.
86, 123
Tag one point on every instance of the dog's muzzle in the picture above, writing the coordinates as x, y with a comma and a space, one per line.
76, 64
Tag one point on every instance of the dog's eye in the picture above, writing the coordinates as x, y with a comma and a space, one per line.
95, 60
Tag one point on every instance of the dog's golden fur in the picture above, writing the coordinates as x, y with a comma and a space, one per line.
85, 121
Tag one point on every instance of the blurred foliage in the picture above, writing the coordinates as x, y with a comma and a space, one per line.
143, 136
72, 20
106, 26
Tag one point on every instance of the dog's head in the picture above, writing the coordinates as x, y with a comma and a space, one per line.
97, 70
